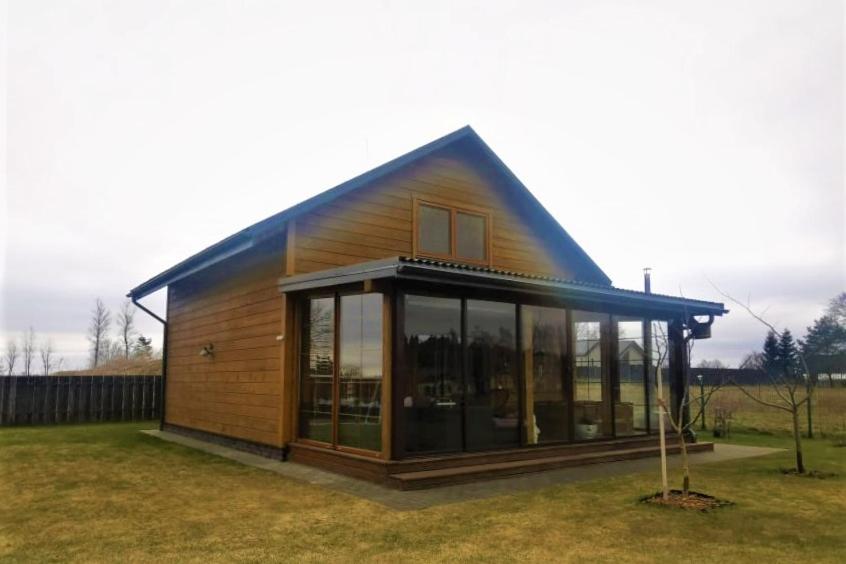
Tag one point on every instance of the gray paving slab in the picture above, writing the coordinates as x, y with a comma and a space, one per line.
421, 499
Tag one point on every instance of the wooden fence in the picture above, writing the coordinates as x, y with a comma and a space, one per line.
49, 400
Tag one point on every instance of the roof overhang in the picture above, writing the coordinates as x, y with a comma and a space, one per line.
452, 274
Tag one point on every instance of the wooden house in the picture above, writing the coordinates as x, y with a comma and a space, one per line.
426, 322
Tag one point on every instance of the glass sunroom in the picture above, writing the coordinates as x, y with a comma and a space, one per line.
404, 358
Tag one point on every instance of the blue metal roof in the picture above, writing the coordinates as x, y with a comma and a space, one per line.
249, 237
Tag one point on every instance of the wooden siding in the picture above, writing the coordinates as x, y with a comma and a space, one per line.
237, 307
247, 389
376, 221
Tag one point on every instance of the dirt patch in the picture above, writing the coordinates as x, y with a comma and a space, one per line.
693, 501
808, 474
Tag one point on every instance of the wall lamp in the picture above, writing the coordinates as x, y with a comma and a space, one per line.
207, 351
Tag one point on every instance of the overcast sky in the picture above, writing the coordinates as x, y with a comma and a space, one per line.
703, 139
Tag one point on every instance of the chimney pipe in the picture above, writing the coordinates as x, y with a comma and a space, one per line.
647, 280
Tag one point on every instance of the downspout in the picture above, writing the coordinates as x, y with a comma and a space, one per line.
162, 387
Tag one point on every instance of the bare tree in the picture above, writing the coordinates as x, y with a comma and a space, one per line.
752, 361
98, 329
114, 350
126, 326
679, 422
11, 356
46, 354
716, 363
789, 384
28, 352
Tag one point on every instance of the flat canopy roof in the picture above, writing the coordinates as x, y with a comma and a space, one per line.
426, 270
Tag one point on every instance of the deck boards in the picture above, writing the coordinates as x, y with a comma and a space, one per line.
428, 472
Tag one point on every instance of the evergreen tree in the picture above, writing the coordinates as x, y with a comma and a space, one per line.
824, 347
788, 356
143, 347
826, 337
771, 361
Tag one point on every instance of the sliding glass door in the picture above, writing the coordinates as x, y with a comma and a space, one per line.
591, 387
545, 344
430, 387
360, 374
492, 413
317, 370
341, 402
476, 375
630, 404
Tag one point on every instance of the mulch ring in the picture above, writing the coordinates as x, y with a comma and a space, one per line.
808, 473
694, 501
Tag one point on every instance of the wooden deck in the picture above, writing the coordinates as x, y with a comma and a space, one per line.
429, 472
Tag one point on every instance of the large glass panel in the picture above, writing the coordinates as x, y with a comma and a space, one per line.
470, 236
591, 391
360, 403
544, 353
492, 417
434, 230
659, 354
630, 389
430, 386
316, 370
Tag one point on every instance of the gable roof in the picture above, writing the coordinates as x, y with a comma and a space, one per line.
252, 235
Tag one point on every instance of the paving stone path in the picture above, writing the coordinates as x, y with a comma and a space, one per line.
420, 499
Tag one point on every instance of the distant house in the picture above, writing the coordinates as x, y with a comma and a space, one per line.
428, 316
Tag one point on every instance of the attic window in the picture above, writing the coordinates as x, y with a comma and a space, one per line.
452, 232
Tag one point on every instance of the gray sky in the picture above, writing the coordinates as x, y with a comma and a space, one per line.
703, 139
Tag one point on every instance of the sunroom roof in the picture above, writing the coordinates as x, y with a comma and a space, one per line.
456, 274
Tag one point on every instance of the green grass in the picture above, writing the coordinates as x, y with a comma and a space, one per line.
109, 493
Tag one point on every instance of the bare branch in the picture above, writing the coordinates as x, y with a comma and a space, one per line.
759, 400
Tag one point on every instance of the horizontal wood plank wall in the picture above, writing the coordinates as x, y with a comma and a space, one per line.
376, 221
238, 308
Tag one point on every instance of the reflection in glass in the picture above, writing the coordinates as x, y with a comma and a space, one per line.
430, 385
659, 354
434, 230
592, 399
470, 236
630, 390
360, 403
316, 370
544, 352
493, 392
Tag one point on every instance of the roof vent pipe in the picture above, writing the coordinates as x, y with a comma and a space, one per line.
647, 280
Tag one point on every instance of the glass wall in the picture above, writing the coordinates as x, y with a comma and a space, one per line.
492, 413
317, 368
431, 383
544, 333
591, 390
461, 384
360, 376
630, 388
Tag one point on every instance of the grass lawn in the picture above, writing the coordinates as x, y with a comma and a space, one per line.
109, 493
